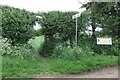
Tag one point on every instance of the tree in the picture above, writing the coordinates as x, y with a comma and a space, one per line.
105, 14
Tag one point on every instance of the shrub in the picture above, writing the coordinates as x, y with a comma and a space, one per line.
25, 51
61, 50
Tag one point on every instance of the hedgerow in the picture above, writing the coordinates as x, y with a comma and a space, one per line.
17, 25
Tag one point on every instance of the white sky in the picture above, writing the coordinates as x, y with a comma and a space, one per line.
44, 5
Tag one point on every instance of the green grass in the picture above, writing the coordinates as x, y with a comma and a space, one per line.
82, 65
15, 67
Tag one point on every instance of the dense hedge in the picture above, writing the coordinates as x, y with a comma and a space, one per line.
17, 25
57, 27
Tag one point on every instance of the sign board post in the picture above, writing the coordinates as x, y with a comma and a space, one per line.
104, 41
76, 17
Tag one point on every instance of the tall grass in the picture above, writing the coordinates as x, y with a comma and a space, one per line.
86, 63
15, 67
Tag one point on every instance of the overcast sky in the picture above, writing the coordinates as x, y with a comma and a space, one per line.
45, 5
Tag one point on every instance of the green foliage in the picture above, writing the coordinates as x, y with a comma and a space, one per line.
22, 68
90, 46
27, 63
65, 52
17, 25
60, 26
107, 18
70, 53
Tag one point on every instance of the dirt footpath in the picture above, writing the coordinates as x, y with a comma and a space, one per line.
108, 72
